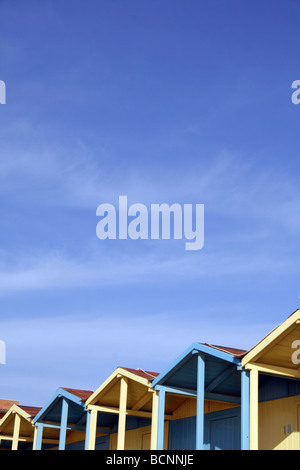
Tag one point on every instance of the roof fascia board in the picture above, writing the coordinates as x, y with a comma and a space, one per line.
105, 386
135, 377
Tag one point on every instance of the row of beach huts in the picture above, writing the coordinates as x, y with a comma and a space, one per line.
209, 398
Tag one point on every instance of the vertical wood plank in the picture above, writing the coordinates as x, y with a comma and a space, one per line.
93, 429
122, 413
63, 424
161, 419
200, 402
154, 422
253, 409
16, 433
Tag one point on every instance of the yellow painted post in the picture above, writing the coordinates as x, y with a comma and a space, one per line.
34, 438
16, 432
93, 429
122, 414
154, 422
253, 409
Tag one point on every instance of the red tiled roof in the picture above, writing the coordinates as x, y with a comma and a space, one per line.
31, 410
146, 374
2, 413
7, 404
233, 351
83, 394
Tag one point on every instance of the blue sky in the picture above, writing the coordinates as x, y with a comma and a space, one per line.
162, 101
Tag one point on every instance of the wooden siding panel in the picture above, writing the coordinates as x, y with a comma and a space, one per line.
222, 431
188, 407
279, 424
138, 439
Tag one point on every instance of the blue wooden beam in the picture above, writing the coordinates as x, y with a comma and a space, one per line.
220, 378
39, 437
245, 409
74, 427
87, 430
200, 402
221, 397
161, 419
193, 393
54, 425
179, 391
63, 424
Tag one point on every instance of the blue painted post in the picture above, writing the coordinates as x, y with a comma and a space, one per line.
200, 402
161, 419
245, 409
39, 436
87, 430
63, 424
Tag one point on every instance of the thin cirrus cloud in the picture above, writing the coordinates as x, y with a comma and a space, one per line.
75, 178
227, 187
253, 204
57, 271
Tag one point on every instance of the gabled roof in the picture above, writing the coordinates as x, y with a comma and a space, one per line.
26, 431
276, 349
76, 399
229, 355
82, 394
142, 373
24, 412
6, 404
138, 379
233, 351
30, 410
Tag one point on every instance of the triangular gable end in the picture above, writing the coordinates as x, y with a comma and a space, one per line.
278, 350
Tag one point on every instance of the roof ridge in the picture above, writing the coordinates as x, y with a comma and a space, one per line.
227, 349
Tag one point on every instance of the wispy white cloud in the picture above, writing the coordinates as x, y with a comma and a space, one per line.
252, 205
74, 177
58, 270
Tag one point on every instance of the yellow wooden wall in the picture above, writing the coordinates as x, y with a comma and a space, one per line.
138, 439
279, 420
75, 436
188, 407
279, 425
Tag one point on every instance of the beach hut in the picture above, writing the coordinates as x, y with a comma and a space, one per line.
210, 397
127, 404
205, 390
273, 366
16, 427
235, 399
64, 418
